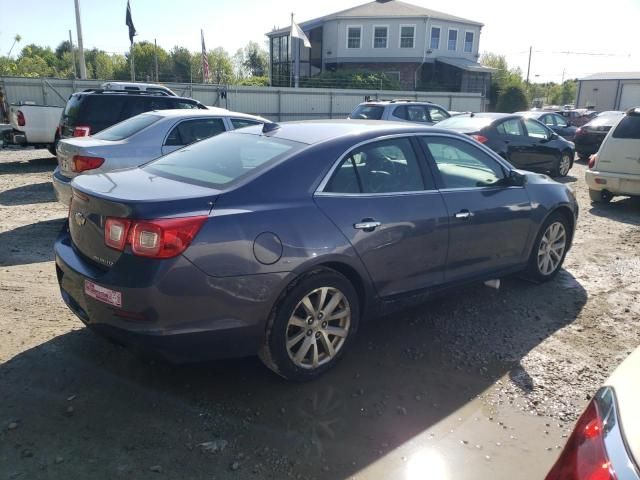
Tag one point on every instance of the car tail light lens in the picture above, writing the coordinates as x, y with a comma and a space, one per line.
592, 161
585, 456
20, 117
116, 231
163, 238
579, 132
82, 163
81, 131
480, 138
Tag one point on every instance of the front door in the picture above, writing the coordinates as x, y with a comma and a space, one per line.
489, 221
384, 201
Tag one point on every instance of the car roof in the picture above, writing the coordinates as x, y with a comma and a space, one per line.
209, 112
317, 131
535, 113
380, 103
125, 93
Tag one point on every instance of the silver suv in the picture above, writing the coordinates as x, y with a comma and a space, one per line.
400, 111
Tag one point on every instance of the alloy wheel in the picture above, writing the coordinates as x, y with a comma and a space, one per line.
551, 249
318, 327
565, 165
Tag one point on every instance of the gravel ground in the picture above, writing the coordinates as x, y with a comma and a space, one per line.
492, 380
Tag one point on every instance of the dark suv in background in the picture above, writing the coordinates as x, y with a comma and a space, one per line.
93, 110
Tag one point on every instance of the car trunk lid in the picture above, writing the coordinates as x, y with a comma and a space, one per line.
131, 194
84, 147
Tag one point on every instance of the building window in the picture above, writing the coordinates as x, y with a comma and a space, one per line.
354, 37
407, 36
435, 38
453, 40
380, 37
468, 42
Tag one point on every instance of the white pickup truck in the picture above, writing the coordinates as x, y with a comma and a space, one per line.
33, 125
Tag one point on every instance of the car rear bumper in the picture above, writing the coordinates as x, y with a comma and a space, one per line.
616, 183
62, 187
169, 309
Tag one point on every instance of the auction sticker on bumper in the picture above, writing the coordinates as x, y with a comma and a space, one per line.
103, 294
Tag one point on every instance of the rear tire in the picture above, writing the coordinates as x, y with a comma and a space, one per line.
311, 325
549, 249
562, 165
600, 196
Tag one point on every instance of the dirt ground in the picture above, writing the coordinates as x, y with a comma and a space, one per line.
476, 384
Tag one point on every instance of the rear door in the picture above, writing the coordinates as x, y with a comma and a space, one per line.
620, 152
489, 221
513, 142
385, 203
540, 151
187, 132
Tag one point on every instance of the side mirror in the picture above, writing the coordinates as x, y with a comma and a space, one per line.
554, 136
515, 179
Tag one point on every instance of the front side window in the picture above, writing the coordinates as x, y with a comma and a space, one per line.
437, 114
407, 36
468, 42
453, 40
535, 130
191, 131
511, 127
388, 166
435, 38
243, 122
354, 35
129, 127
462, 165
417, 113
380, 37
548, 120
219, 161
183, 104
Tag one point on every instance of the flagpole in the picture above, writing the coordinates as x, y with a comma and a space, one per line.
133, 66
296, 56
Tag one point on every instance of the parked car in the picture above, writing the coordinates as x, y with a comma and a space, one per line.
139, 140
524, 142
578, 117
280, 239
92, 110
615, 169
605, 443
32, 124
590, 136
426, 113
555, 122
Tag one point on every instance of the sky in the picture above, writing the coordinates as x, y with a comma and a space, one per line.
570, 38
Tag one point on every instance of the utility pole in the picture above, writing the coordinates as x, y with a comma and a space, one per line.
83, 66
73, 55
155, 57
529, 65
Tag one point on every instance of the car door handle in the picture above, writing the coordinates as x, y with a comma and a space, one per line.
464, 214
367, 225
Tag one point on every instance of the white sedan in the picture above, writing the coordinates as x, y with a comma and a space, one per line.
138, 140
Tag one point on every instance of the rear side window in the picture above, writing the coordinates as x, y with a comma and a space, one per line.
129, 127
191, 131
72, 108
101, 111
183, 104
510, 127
222, 160
367, 112
389, 166
629, 127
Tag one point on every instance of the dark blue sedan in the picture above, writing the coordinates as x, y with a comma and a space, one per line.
280, 240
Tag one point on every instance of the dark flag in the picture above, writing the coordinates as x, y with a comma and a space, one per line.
129, 22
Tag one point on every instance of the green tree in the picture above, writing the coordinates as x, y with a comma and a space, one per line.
512, 99
8, 67
256, 60
220, 66
103, 66
563, 94
502, 78
144, 60
180, 64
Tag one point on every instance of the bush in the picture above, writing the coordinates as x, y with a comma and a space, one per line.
254, 82
512, 99
351, 79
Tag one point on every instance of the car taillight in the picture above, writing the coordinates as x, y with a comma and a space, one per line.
82, 163
585, 456
81, 131
162, 238
20, 117
480, 138
592, 160
116, 231
579, 132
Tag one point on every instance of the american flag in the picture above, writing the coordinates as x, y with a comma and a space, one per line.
205, 61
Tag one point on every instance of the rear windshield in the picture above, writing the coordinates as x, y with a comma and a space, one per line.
221, 160
629, 127
127, 128
464, 122
367, 112
605, 119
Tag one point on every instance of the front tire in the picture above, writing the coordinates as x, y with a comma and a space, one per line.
549, 249
311, 326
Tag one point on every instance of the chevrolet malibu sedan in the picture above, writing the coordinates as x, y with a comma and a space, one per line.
281, 240
138, 140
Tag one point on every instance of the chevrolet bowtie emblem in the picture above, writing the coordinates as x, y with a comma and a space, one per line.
80, 219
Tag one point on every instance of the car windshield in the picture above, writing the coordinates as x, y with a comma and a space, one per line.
606, 119
221, 160
367, 112
127, 128
465, 122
